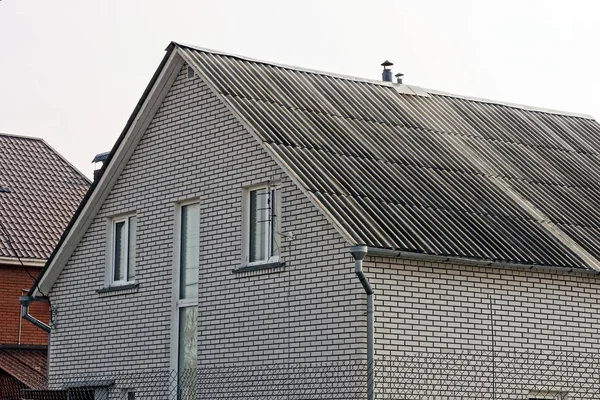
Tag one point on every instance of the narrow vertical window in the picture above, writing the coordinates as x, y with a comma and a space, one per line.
188, 261
261, 238
122, 252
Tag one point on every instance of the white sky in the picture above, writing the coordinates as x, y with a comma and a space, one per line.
72, 71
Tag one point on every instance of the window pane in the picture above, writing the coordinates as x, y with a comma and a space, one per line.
190, 251
119, 251
274, 224
259, 224
131, 252
188, 351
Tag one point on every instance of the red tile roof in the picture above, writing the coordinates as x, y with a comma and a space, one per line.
39, 192
27, 365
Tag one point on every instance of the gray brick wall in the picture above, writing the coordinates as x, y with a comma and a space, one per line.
421, 305
311, 310
456, 331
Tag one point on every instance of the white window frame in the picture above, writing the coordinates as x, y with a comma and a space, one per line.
109, 280
273, 228
178, 303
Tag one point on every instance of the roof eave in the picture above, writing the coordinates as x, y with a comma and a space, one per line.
25, 262
379, 252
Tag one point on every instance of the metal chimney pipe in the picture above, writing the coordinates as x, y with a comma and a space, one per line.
399, 76
386, 75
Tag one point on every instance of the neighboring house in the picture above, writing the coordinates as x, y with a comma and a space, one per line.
39, 193
217, 243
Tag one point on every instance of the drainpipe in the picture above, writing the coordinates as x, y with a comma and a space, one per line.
359, 253
25, 302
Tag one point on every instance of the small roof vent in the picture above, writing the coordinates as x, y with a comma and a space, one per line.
100, 158
386, 75
399, 76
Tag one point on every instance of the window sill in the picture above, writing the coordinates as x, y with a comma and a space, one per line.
120, 289
259, 267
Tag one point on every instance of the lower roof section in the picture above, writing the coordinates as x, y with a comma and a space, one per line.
27, 364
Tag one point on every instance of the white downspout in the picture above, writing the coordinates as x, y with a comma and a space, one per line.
25, 302
359, 253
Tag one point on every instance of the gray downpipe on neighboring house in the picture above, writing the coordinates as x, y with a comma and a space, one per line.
25, 302
359, 253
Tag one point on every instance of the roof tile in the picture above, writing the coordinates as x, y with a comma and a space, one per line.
44, 191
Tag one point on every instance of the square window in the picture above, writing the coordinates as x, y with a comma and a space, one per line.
121, 260
261, 225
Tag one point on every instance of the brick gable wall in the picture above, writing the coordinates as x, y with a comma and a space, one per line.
312, 309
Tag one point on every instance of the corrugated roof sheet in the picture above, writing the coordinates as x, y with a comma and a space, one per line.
42, 191
431, 173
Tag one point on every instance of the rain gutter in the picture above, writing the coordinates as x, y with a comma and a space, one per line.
374, 251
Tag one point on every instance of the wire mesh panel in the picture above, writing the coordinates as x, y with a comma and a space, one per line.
339, 380
489, 375
416, 376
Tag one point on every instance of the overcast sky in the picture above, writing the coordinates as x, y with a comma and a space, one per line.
71, 72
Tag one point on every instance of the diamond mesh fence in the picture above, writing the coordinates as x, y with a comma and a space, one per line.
426, 376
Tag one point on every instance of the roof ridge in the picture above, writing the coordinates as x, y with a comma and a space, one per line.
510, 104
286, 66
17, 136
386, 84
52, 150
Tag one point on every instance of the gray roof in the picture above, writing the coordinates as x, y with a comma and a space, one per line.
409, 169
40, 192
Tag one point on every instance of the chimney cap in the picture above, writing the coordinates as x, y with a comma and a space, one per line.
399, 75
386, 64
101, 157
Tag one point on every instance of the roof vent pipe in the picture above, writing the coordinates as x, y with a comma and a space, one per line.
399, 76
386, 75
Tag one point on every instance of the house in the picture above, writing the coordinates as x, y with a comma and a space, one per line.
39, 193
264, 230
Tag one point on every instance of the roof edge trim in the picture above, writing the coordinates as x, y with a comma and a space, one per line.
26, 262
379, 252
286, 66
336, 225
17, 136
141, 117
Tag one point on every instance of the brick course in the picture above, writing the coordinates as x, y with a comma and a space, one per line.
15, 282
424, 306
